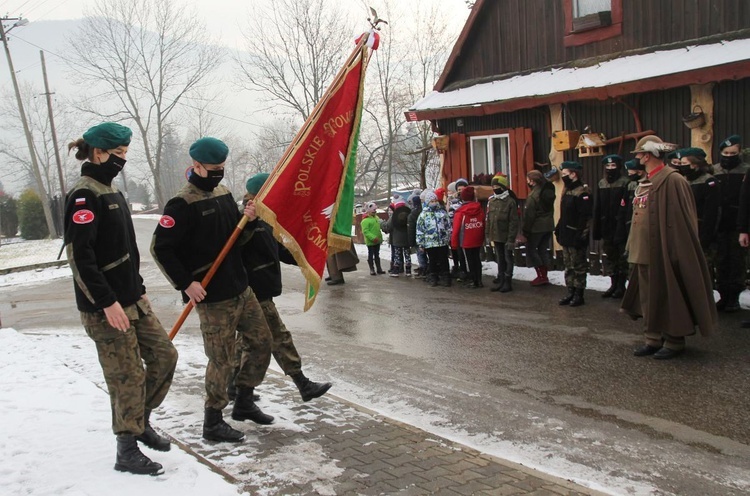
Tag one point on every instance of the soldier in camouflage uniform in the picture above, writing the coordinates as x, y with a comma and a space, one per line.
502, 228
261, 256
572, 231
103, 255
610, 193
730, 256
192, 232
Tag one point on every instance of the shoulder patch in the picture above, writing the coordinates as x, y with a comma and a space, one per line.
711, 183
83, 216
166, 222
622, 202
584, 197
80, 201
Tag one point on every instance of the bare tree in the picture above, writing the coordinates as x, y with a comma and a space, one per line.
148, 55
429, 47
44, 179
295, 48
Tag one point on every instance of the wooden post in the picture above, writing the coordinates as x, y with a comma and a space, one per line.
556, 158
703, 136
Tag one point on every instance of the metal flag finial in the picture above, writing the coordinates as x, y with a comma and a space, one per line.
375, 20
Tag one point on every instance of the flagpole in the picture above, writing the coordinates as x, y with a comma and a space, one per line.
210, 274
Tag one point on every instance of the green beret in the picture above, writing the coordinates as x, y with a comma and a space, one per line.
730, 141
693, 152
571, 165
108, 136
256, 182
210, 151
634, 165
612, 159
673, 154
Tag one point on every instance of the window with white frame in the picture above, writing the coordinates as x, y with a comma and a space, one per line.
490, 154
585, 7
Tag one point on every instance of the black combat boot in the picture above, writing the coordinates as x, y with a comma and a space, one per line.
372, 268
500, 281
308, 389
150, 438
614, 278
577, 299
130, 459
445, 280
246, 409
620, 289
232, 387
215, 429
507, 284
566, 300
733, 304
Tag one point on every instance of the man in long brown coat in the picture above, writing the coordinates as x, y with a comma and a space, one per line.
670, 286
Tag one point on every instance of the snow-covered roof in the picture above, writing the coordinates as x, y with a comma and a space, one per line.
621, 70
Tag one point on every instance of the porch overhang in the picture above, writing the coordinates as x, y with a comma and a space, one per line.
641, 73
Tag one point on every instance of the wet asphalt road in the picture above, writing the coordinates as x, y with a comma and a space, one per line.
517, 375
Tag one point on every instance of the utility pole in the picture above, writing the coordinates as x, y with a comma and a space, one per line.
29, 140
52, 126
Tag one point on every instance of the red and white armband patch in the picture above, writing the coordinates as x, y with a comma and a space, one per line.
83, 216
166, 222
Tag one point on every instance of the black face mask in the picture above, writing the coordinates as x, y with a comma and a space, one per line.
730, 162
612, 175
634, 177
208, 183
498, 191
693, 174
683, 169
113, 166
569, 181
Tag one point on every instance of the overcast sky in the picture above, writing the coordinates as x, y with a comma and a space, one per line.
225, 22
223, 18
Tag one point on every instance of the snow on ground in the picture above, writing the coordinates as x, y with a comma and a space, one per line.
55, 437
17, 252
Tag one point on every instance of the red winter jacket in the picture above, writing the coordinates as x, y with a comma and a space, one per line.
468, 226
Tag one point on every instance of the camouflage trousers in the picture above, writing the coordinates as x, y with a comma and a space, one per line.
219, 322
615, 262
282, 348
122, 355
576, 267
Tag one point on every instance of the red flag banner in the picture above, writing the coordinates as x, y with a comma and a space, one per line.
300, 198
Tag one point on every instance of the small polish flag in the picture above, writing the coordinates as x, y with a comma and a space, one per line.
80, 201
373, 40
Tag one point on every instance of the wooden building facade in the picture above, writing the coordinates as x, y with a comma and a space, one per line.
522, 70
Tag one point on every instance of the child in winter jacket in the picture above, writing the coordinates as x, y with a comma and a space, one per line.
468, 234
434, 234
373, 237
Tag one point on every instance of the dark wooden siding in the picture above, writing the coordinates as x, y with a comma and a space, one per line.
660, 111
535, 119
522, 35
731, 112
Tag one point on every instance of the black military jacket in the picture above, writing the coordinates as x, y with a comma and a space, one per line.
607, 203
100, 243
743, 215
575, 217
707, 192
192, 232
262, 255
731, 184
